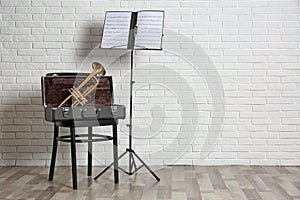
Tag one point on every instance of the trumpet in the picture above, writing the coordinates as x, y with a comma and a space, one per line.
98, 71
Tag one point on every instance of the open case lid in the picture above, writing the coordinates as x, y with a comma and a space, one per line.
56, 86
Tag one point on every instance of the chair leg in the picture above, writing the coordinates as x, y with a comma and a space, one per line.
73, 155
115, 150
54, 151
90, 150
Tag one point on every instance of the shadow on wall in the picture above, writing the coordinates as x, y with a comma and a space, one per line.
25, 137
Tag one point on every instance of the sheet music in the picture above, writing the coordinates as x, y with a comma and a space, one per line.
149, 30
116, 29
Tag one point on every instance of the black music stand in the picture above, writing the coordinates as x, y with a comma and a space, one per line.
132, 46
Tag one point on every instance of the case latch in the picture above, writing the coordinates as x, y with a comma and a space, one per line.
66, 112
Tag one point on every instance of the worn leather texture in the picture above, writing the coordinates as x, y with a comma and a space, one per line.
56, 89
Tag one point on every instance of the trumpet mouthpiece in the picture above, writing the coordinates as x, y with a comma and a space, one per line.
99, 68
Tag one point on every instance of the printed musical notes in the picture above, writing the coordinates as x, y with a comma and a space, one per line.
149, 29
116, 30
148, 26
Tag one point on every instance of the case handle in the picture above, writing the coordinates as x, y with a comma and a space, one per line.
90, 112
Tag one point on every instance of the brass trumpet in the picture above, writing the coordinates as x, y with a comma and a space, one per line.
98, 70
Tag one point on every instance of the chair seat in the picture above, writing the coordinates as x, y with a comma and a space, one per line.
86, 123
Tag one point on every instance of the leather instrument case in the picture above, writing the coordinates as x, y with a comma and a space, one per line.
56, 86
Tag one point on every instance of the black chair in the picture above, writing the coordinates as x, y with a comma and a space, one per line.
80, 138
55, 88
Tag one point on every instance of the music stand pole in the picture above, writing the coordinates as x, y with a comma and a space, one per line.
130, 151
130, 110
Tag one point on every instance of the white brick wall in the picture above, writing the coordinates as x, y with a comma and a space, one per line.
249, 47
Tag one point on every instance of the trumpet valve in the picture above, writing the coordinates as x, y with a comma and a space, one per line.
78, 96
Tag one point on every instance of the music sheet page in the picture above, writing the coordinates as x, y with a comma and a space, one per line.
116, 29
149, 30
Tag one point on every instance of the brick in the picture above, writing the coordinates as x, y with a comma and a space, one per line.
56, 38
266, 108
238, 24
128, 4
236, 11
59, 10
7, 10
19, 156
30, 163
39, 142
30, 24
268, 10
266, 94
281, 128
32, 52
45, 31
5, 80
281, 155
252, 4
76, 45
253, 114
283, 3
15, 3
85, 10
30, 10
60, 24
289, 148
47, 45
15, 31
43, 17
291, 162
15, 101
75, 3
222, 155
42, 156
251, 155
6, 38
18, 59
31, 66
46, 3
28, 108
238, 52
17, 17
265, 121
282, 59
46, 59
19, 45
31, 149
279, 101
16, 142
290, 10
63, 52
207, 25
4, 24
292, 107
231, 148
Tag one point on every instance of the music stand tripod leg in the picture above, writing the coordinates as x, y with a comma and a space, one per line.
109, 166
148, 168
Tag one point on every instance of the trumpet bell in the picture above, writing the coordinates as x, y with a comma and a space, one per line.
99, 68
